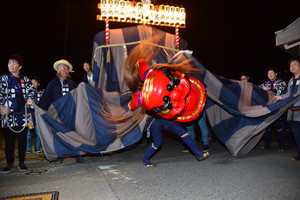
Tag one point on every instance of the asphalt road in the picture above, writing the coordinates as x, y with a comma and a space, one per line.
262, 174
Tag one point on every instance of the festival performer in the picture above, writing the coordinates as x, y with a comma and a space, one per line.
164, 92
156, 128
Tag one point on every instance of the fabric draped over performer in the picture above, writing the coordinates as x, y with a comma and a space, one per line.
93, 120
161, 90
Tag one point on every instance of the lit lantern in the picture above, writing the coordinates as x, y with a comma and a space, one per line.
172, 15
103, 8
182, 16
177, 15
151, 13
115, 7
122, 10
156, 14
167, 14
146, 11
133, 14
110, 9
161, 14
128, 9
139, 7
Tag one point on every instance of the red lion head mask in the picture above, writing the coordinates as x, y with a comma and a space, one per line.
169, 94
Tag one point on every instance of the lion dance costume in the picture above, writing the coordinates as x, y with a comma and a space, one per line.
165, 93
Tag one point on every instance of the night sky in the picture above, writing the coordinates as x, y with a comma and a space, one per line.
227, 37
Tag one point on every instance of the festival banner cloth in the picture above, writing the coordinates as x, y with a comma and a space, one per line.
73, 125
238, 112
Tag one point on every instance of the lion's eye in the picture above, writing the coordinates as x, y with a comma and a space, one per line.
165, 111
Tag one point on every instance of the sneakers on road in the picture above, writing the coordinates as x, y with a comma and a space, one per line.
38, 152
22, 167
185, 150
80, 159
203, 157
147, 163
295, 158
59, 160
7, 169
206, 148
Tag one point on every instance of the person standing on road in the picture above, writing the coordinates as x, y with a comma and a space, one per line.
32, 128
58, 87
202, 123
278, 87
15, 90
293, 115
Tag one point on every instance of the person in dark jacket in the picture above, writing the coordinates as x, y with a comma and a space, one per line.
15, 90
278, 87
88, 76
58, 87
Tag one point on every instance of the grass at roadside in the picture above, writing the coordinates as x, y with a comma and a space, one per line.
32, 156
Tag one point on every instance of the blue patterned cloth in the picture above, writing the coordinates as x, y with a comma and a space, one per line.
14, 93
36, 99
278, 86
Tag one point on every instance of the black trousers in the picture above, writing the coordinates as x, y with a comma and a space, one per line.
10, 138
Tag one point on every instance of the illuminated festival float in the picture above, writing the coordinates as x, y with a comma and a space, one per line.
141, 13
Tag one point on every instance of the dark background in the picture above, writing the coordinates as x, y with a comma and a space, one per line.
227, 37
